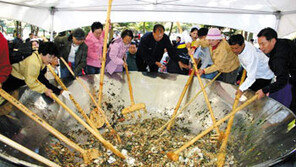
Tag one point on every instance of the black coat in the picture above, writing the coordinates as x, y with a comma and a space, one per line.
149, 51
64, 48
282, 61
45, 81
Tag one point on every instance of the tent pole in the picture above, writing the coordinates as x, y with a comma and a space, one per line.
278, 16
52, 11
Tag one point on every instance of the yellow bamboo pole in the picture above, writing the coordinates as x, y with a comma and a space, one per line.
82, 112
95, 123
189, 81
133, 107
102, 72
202, 86
222, 152
175, 155
95, 132
27, 151
179, 27
205, 95
94, 101
129, 85
88, 155
189, 102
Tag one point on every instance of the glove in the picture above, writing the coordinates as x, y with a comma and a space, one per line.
66, 94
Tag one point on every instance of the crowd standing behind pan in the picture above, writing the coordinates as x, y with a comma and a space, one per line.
270, 69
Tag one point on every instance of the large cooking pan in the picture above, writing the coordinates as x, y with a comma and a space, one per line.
261, 130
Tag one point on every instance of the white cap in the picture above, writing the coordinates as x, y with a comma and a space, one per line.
195, 26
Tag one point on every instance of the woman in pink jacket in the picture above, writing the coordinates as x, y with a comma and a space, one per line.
117, 51
94, 41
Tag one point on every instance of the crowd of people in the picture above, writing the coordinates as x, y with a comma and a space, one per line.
269, 69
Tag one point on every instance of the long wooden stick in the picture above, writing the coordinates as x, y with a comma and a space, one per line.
129, 85
202, 86
130, 88
90, 121
174, 155
189, 81
94, 101
205, 94
222, 152
102, 72
189, 102
88, 155
68, 67
95, 132
82, 112
179, 27
40, 121
27, 151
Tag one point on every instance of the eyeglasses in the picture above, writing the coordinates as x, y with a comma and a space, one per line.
51, 56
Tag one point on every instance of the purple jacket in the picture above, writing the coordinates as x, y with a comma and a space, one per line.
95, 49
116, 52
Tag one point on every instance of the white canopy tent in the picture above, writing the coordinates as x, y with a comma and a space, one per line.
60, 15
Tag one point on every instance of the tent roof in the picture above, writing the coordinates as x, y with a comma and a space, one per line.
251, 15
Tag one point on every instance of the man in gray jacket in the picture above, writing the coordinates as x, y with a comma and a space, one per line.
74, 51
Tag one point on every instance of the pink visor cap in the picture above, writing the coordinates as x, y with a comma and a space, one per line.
214, 33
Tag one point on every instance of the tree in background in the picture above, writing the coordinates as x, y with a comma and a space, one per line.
17, 27
34, 30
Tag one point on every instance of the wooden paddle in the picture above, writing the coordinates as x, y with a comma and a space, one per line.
88, 155
205, 94
81, 111
27, 151
189, 81
97, 119
222, 152
95, 132
133, 107
175, 155
201, 85
187, 104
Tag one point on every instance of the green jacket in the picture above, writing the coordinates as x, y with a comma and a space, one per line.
64, 46
131, 61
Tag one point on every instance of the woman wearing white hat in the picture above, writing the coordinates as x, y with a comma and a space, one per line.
224, 60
